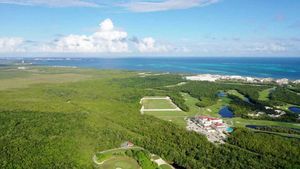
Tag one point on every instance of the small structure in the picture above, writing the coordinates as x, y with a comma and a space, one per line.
268, 108
127, 144
21, 68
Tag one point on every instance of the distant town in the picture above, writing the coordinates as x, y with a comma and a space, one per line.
213, 78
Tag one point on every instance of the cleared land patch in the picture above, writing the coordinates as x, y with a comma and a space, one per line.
40, 78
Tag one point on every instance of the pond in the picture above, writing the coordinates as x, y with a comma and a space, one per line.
294, 109
226, 113
221, 94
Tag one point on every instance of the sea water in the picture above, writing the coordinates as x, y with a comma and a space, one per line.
279, 67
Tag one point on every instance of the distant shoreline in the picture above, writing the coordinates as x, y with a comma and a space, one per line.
216, 77
264, 67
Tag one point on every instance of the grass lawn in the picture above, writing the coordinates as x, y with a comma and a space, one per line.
36, 75
165, 166
236, 93
120, 162
264, 95
158, 104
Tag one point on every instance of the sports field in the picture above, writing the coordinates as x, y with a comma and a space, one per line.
158, 104
120, 163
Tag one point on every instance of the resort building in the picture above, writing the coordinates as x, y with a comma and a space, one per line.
213, 128
211, 124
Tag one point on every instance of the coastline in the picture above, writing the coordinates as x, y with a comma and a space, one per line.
262, 68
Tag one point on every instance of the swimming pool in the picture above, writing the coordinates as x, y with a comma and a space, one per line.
229, 129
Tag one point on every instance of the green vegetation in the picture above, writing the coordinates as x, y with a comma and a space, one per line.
62, 124
278, 129
282, 150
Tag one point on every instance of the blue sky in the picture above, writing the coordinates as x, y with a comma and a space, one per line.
150, 28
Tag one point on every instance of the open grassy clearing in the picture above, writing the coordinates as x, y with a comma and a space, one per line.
176, 117
264, 95
12, 78
158, 104
237, 94
38, 79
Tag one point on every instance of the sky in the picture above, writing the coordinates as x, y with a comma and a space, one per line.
150, 28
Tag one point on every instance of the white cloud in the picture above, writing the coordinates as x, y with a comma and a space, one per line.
12, 44
149, 45
52, 3
150, 6
106, 40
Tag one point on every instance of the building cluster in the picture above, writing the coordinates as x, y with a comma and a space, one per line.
213, 78
210, 124
278, 113
213, 128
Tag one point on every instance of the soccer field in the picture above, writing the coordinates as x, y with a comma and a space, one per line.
158, 104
